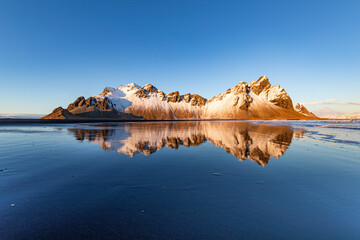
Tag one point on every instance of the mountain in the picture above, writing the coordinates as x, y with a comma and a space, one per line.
257, 100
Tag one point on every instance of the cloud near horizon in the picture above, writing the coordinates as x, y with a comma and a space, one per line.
331, 102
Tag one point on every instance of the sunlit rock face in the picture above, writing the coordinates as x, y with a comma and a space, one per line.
257, 143
59, 113
302, 109
257, 100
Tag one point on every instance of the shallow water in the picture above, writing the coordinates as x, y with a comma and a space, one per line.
180, 180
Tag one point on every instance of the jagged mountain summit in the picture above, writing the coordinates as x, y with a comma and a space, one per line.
257, 100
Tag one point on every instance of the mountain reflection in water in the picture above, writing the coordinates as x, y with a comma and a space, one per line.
244, 140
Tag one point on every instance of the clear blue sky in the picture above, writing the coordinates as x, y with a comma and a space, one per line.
51, 52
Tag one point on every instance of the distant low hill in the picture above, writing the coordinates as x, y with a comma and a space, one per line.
20, 115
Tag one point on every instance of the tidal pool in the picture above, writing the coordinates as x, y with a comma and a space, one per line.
180, 180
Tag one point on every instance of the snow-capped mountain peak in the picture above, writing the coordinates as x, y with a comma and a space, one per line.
130, 86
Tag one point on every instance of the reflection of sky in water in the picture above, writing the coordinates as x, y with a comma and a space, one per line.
327, 131
183, 180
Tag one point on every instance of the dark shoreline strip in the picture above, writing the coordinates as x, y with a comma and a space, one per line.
10, 121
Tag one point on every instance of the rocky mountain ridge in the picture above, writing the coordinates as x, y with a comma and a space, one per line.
257, 100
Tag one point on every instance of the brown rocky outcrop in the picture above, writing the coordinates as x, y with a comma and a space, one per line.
161, 95
59, 113
187, 97
239, 88
101, 104
149, 88
173, 97
301, 109
144, 91
260, 85
242, 101
141, 93
91, 101
279, 97
194, 99
105, 92
80, 101
104, 104
274, 94
197, 100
